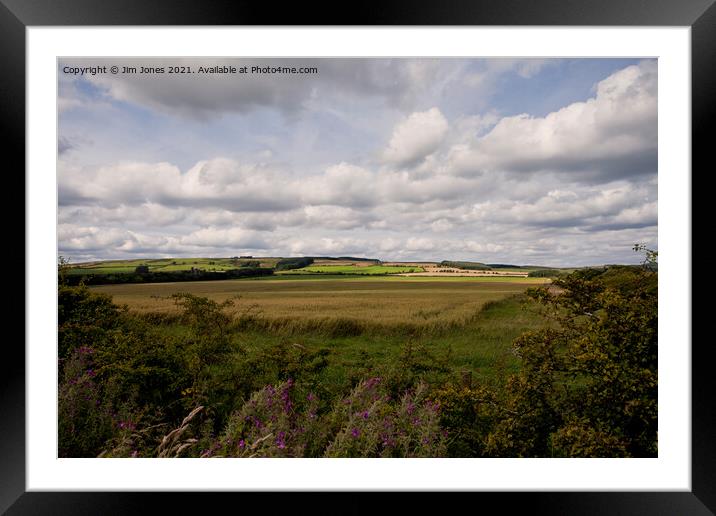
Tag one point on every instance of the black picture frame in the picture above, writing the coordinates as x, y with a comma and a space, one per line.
16, 15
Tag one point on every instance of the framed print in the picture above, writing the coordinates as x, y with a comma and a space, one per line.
381, 193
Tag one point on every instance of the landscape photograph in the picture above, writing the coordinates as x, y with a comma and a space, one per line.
357, 257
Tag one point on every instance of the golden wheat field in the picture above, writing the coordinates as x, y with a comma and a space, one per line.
309, 303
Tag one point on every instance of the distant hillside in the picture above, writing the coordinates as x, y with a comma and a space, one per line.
345, 258
472, 266
503, 266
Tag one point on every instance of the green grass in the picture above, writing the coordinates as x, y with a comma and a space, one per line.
482, 346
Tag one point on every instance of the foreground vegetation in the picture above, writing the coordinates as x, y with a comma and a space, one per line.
558, 372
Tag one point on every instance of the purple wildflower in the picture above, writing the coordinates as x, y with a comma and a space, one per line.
355, 432
242, 444
285, 397
372, 382
280, 440
364, 414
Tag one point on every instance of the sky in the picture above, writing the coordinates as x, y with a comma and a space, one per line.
522, 161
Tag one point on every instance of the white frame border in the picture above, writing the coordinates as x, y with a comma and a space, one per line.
671, 471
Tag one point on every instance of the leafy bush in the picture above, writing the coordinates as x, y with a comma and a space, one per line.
83, 317
468, 415
588, 384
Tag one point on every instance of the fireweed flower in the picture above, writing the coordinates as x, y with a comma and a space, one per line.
285, 397
242, 444
355, 432
364, 414
372, 382
280, 440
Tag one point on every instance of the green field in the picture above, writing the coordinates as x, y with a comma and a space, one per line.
165, 265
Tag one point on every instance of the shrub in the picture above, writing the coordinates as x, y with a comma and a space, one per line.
588, 384
83, 317
468, 415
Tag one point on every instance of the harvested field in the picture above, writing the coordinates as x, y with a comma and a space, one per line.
383, 304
